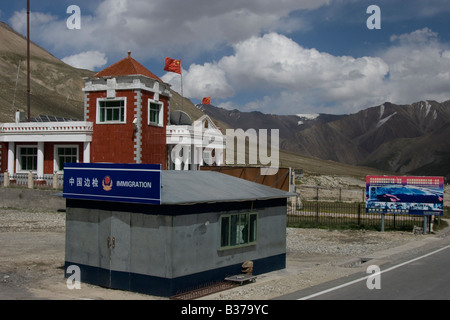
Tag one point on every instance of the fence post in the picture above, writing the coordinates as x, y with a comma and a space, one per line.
359, 214
55, 180
30, 180
317, 211
6, 179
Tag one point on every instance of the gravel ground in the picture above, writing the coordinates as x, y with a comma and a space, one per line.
316, 256
32, 259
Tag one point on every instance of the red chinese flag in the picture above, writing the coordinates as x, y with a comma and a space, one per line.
173, 65
206, 100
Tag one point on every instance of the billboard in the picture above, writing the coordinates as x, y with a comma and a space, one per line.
405, 195
137, 183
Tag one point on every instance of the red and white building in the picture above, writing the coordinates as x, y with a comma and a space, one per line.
126, 120
43, 147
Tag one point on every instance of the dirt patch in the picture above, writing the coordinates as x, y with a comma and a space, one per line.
32, 259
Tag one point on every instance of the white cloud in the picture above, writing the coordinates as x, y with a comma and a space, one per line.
277, 61
419, 67
19, 20
421, 36
89, 60
285, 76
201, 81
160, 27
290, 78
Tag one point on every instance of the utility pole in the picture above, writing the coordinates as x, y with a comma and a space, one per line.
28, 61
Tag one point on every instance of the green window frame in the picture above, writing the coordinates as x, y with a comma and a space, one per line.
66, 154
239, 229
155, 112
28, 158
111, 111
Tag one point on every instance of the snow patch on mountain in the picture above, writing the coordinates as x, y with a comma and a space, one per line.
427, 108
383, 121
306, 117
381, 111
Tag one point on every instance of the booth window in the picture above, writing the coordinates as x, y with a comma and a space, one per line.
238, 229
155, 113
111, 111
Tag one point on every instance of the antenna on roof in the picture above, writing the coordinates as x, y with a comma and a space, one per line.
15, 90
28, 60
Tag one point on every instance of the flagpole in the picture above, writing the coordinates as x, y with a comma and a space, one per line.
182, 94
28, 60
174, 65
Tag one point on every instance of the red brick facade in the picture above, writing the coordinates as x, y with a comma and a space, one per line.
117, 142
3, 156
154, 148
132, 140
112, 142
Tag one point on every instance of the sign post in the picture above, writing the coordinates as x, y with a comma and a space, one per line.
135, 183
425, 224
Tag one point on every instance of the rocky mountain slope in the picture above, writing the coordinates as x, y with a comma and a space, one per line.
406, 139
55, 86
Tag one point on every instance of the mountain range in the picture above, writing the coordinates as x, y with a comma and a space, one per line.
404, 139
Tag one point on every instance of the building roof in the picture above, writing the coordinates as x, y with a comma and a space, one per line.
189, 187
180, 118
126, 67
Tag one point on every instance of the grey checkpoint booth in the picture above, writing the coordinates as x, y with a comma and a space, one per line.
206, 225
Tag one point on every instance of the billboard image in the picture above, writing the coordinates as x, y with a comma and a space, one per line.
405, 195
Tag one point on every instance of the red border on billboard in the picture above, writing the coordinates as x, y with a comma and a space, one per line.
405, 195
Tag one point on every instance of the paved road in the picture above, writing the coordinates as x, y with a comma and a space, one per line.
422, 275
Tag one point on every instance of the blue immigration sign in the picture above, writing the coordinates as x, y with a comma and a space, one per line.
137, 183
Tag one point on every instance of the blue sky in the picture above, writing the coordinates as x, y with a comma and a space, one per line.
280, 57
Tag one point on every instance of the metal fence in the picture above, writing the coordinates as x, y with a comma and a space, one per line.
347, 214
320, 193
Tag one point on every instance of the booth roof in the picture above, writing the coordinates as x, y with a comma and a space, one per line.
188, 187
